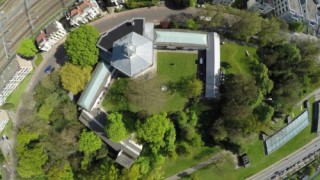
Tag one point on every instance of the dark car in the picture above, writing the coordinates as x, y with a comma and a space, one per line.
48, 69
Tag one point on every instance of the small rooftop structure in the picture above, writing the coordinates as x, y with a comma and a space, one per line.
132, 54
287, 133
100, 79
244, 160
180, 39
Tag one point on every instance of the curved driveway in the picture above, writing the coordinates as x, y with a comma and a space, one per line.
153, 14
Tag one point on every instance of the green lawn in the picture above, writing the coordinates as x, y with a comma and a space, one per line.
258, 159
38, 60
16, 95
170, 67
234, 59
7, 129
172, 167
173, 66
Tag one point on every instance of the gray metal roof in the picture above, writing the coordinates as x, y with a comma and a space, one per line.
128, 152
52, 28
132, 54
92, 91
180, 38
287, 133
212, 66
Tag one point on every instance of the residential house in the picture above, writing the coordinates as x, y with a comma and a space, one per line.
223, 2
83, 12
12, 75
50, 36
261, 6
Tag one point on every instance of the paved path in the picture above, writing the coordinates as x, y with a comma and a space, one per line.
198, 166
291, 160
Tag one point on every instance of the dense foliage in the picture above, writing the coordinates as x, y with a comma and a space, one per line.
27, 48
115, 128
81, 46
74, 78
292, 63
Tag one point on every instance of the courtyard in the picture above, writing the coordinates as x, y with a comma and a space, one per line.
145, 94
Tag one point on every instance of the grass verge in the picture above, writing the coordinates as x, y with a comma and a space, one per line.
7, 129
39, 59
258, 159
173, 166
16, 95
234, 59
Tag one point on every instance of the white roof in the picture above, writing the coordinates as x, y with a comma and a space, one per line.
132, 54
199, 39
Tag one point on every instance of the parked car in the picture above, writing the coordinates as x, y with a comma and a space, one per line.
48, 69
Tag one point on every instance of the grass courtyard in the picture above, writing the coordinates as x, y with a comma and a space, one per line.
171, 66
234, 59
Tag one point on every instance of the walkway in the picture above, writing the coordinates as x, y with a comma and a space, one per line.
198, 166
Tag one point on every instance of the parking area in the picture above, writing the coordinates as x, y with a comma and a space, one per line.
201, 67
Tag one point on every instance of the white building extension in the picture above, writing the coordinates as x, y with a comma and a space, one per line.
13, 74
84, 12
50, 36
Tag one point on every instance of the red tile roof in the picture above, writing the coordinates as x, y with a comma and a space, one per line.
42, 36
79, 8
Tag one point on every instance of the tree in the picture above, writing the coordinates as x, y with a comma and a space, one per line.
74, 78
261, 74
248, 25
154, 128
189, 87
269, 30
89, 142
27, 48
115, 128
296, 26
133, 173
81, 46
30, 162
7, 106
191, 24
58, 173
264, 112
117, 95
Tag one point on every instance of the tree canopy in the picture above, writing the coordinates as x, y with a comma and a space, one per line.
81, 46
27, 48
74, 78
89, 142
115, 128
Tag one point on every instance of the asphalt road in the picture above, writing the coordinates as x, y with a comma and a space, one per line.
57, 55
294, 160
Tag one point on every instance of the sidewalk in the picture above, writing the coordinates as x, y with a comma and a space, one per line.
198, 166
